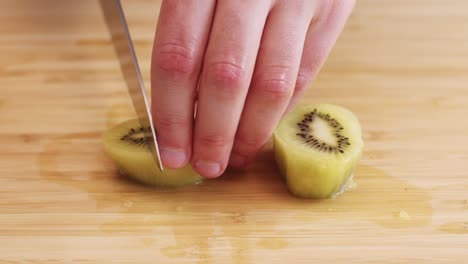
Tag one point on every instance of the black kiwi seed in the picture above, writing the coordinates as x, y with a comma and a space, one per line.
342, 142
133, 136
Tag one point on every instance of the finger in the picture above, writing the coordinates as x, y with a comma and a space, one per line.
179, 43
274, 78
228, 66
320, 40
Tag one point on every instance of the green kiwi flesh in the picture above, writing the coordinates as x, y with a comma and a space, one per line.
317, 147
127, 146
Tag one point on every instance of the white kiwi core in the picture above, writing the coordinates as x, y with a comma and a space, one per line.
322, 131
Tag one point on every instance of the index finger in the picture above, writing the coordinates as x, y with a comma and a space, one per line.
179, 43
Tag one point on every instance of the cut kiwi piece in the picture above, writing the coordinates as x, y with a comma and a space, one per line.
128, 147
317, 147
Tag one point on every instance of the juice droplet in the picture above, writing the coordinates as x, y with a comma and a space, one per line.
273, 243
455, 228
128, 204
403, 215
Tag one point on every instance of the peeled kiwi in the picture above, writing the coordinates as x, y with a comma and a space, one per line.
128, 147
317, 147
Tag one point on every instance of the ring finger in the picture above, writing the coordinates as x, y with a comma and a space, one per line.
274, 78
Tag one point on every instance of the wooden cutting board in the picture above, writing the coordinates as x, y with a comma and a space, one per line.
401, 66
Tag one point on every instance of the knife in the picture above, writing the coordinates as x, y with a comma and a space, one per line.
123, 45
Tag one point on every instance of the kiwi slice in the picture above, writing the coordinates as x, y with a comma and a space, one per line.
317, 147
128, 147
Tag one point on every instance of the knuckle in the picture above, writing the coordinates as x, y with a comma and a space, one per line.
176, 59
278, 90
248, 144
303, 78
275, 83
226, 76
214, 141
168, 123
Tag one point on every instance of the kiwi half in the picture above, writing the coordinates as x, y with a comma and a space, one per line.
317, 147
128, 147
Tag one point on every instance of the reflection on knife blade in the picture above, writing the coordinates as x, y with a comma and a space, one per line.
117, 25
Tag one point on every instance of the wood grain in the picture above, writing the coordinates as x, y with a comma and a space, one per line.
401, 66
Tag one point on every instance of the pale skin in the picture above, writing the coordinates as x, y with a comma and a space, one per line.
245, 63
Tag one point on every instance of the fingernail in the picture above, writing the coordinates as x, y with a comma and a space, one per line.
208, 168
173, 157
237, 160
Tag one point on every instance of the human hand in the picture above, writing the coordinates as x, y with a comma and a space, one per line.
244, 63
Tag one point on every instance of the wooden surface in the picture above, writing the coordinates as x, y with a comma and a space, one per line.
401, 66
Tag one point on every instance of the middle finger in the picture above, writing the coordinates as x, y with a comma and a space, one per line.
227, 71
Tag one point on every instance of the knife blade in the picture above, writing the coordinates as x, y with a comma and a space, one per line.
123, 46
